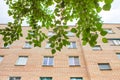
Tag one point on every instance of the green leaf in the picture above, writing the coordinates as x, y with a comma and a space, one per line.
84, 43
103, 33
53, 51
107, 7
104, 40
73, 30
108, 1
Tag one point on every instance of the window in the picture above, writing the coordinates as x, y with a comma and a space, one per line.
118, 28
104, 66
76, 78
48, 61
72, 45
45, 78
48, 45
27, 45
96, 48
74, 61
50, 33
70, 34
109, 31
1, 58
15, 78
118, 55
114, 42
6, 47
22, 60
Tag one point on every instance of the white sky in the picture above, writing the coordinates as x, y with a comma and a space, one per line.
112, 16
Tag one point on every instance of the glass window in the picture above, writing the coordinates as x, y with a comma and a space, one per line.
48, 61
50, 33
1, 58
104, 66
76, 78
48, 45
27, 45
72, 45
6, 47
109, 31
97, 47
74, 61
22, 60
45, 78
115, 42
15, 78
118, 28
118, 55
70, 34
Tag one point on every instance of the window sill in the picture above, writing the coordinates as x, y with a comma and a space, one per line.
74, 65
98, 50
19, 65
72, 48
105, 69
4, 48
26, 48
114, 45
47, 65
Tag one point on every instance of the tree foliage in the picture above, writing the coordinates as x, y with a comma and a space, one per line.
40, 15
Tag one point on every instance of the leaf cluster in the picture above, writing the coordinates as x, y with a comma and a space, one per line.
39, 15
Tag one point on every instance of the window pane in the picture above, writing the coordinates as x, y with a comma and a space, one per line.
115, 42
15, 78
51, 61
76, 60
22, 60
76, 78
97, 47
71, 60
50, 33
48, 45
104, 66
45, 78
70, 34
45, 62
27, 45
109, 31
48, 61
118, 55
1, 58
72, 45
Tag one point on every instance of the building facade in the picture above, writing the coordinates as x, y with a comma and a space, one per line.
21, 61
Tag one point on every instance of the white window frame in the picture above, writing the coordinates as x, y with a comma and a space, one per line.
104, 66
51, 33
45, 78
6, 47
48, 45
114, 42
72, 45
109, 31
76, 78
48, 61
97, 48
27, 45
118, 55
74, 61
22, 60
14, 78
70, 34
1, 58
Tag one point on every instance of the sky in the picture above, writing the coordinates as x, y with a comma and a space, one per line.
112, 16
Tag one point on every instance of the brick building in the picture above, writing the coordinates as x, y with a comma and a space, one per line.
21, 61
